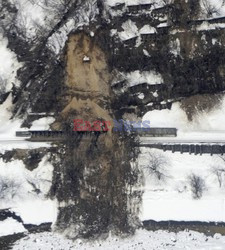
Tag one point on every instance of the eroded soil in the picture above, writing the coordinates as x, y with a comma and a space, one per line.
93, 181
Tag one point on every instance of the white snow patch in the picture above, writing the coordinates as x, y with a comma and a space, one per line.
175, 47
146, 53
215, 41
20, 194
141, 96
155, 94
86, 59
149, 77
204, 124
10, 227
113, 32
162, 25
42, 123
208, 26
8, 66
177, 31
147, 29
130, 30
37, 211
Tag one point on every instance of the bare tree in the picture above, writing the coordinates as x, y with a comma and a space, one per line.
8, 188
157, 165
197, 184
208, 8
219, 171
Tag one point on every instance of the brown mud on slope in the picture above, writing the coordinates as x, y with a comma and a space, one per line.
91, 77
88, 91
88, 95
94, 181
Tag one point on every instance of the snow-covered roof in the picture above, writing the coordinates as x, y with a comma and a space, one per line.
147, 29
207, 26
86, 59
150, 77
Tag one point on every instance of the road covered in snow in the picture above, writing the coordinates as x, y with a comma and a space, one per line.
150, 140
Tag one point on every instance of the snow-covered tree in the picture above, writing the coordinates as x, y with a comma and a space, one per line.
197, 184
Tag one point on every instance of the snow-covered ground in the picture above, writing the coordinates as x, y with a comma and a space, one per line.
10, 227
203, 125
142, 240
172, 199
24, 192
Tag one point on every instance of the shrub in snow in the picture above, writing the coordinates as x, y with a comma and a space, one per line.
197, 184
9, 188
3, 84
157, 165
219, 172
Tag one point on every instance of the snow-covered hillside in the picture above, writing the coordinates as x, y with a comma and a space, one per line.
60, 60
204, 124
8, 67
